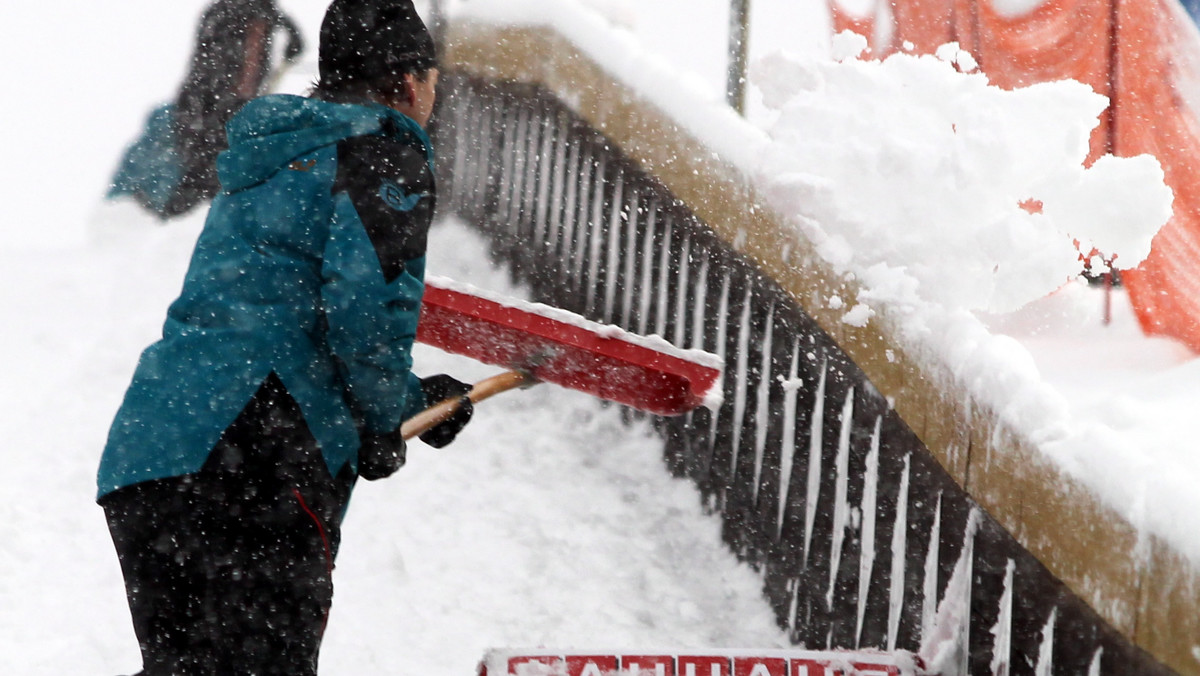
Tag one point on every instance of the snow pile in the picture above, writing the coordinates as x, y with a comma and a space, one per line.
548, 522
956, 205
931, 184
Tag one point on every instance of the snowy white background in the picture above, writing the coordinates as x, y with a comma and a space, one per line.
548, 522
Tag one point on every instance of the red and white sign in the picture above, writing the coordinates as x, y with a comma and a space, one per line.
699, 663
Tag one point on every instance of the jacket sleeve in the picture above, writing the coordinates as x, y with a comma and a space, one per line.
373, 276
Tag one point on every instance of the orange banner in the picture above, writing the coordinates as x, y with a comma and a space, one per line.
1156, 49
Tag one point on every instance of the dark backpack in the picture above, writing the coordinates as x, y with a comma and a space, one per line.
172, 166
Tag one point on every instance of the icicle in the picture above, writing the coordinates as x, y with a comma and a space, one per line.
743, 369
946, 648
788, 451
763, 401
1002, 646
794, 608
1045, 662
899, 560
841, 507
866, 556
815, 442
929, 602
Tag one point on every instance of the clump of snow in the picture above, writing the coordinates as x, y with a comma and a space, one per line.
952, 52
976, 193
845, 45
858, 315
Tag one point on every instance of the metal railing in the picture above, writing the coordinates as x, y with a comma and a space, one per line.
855, 527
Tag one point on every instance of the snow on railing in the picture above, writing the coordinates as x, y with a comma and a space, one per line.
862, 537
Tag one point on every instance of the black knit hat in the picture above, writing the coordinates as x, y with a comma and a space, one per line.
368, 39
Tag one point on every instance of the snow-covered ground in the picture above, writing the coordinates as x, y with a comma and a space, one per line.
549, 522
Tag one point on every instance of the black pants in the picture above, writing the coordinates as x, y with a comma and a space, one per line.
229, 571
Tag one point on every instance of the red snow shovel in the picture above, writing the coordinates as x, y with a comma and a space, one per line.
546, 344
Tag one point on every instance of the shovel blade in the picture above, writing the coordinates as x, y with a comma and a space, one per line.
560, 347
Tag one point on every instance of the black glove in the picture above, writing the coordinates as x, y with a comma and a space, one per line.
380, 455
438, 389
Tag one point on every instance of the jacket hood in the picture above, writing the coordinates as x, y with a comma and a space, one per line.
271, 131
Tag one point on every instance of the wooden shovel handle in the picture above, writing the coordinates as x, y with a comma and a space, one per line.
484, 389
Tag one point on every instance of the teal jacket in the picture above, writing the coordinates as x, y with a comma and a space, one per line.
310, 265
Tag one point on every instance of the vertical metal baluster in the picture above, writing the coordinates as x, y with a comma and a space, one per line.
582, 225
763, 399
681, 286
552, 218
503, 183
572, 173
590, 266
646, 293
612, 257
547, 180
721, 349
664, 270
515, 186
630, 253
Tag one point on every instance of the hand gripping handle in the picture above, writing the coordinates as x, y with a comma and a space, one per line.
484, 389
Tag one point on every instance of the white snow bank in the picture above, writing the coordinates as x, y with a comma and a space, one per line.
953, 202
908, 163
